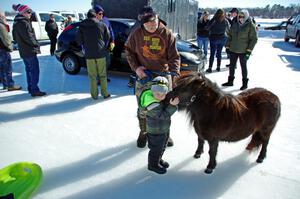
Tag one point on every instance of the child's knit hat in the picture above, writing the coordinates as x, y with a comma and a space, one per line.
160, 85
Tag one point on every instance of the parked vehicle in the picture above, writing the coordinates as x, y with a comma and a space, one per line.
39, 20
77, 16
71, 55
180, 15
293, 31
281, 26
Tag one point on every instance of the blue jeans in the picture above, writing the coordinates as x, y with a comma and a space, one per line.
203, 44
6, 69
32, 73
216, 46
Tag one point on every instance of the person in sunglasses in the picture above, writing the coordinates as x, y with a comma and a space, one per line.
242, 38
23, 33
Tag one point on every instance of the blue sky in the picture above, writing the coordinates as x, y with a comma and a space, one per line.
84, 5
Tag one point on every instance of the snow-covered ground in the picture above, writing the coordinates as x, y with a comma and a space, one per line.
87, 148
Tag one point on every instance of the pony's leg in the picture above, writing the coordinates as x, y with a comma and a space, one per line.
263, 152
199, 150
213, 149
256, 140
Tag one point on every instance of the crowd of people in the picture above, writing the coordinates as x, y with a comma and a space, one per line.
151, 53
236, 32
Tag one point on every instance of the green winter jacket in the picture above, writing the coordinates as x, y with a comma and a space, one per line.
158, 116
242, 38
5, 40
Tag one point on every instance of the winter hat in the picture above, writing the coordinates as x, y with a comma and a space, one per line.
234, 10
91, 13
98, 9
244, 13
160, 85
21, 8
148, 14
145, 10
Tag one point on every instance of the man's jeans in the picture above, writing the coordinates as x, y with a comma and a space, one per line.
32, 73
216, 46
203, 44
6, 69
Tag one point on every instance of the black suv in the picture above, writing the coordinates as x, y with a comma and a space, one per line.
70, 53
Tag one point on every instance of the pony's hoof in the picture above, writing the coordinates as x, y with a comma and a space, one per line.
208, 171
197, 155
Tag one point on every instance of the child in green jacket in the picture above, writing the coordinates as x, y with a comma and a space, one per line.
158, 121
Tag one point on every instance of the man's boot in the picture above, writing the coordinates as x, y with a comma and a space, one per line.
245, 84
230, 81
208, 70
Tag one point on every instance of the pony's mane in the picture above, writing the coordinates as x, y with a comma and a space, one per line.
223, 100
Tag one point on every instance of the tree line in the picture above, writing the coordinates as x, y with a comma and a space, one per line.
275, 11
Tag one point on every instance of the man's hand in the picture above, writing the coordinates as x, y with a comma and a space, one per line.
174, 79
111, 46
174, 101
140, 72
248, 53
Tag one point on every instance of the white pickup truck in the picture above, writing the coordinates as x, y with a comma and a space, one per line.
39, 20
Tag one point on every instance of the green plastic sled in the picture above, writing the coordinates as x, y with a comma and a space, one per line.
21, 179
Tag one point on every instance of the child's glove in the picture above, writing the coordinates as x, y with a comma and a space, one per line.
248, 53
111, 46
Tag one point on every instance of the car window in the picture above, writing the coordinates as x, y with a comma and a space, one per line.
67, 14
81, 16
44, 16
119, 28
296, 20
58, 18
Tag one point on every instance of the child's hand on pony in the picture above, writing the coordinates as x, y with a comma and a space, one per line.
174, 101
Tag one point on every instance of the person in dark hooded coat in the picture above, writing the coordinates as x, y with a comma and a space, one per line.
93, 35
23, 33
242, 38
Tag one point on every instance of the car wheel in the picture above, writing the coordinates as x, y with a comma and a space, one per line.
70, 64
297, 40
286, 38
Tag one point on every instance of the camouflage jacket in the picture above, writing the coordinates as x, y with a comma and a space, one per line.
158, 116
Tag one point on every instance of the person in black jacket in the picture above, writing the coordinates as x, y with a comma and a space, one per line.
94, 35
52, 31
202, 32
24, 35
218, 27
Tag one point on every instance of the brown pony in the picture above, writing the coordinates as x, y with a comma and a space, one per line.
220, 116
